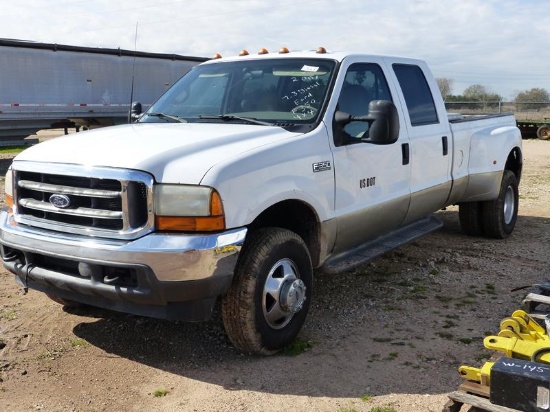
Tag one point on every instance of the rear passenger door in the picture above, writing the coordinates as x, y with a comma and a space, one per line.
430, 141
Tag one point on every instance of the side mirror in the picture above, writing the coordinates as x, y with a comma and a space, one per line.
135, 112
384, 122
382, 118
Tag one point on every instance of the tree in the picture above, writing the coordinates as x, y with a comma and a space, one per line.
445, 86
532, 99
480, 93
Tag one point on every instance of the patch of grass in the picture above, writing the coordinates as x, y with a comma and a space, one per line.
297, 347
78, 342
159, 393
449, 324
8, 314
445, 335
383, 409
444, 299
366, 398
490, 289
12, 149
51, 354
374, 357
392, 356
347, 410
419, 289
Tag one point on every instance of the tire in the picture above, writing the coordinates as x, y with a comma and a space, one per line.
500, 215
65, 302
471, 219
543, 132
267, 303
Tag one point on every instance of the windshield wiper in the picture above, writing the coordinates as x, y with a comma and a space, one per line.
230, 117
167, 116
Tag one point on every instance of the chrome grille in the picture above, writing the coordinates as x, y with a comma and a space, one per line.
100, 202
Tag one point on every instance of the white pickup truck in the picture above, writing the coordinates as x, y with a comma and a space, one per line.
243, 178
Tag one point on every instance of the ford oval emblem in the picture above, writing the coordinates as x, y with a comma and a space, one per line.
60, 201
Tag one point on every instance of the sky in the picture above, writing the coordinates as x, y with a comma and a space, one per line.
503, 45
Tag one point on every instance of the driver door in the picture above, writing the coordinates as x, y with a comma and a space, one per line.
372, 181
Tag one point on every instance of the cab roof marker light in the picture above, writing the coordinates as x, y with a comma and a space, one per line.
217, 56
284, 50
263, 50
321, 50
243, 52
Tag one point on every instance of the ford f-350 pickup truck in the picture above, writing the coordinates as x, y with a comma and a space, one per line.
243, 178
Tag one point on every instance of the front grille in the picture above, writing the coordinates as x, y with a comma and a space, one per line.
114, 203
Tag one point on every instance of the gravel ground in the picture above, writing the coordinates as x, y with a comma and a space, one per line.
389, 334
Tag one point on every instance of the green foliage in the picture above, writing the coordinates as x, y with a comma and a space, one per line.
383, 409
78, 342
159, 393
297, 347
12, 149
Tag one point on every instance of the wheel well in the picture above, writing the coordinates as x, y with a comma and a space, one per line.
296, 216
515, 162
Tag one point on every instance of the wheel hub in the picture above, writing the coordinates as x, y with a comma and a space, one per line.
293, 295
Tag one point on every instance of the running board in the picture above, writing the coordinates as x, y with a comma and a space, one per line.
368, 251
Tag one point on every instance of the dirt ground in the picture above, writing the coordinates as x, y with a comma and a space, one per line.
390, 334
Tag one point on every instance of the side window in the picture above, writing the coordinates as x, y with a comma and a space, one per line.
418, 95
363, 83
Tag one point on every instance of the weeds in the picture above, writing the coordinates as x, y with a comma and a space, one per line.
383, 409
297, 347
445, 335
159, 393
78, 342
392, 356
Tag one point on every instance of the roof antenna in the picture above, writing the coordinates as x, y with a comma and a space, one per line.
132, 110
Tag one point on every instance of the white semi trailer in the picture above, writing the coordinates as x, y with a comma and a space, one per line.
46, 85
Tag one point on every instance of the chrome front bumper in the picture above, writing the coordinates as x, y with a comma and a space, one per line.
145, 276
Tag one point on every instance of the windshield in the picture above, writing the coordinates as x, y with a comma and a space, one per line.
263, 91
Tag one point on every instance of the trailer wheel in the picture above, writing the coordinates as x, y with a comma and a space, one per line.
268, 301
543, 132
500, 215
470, 217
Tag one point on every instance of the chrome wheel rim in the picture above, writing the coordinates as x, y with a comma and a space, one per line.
509, 205
283, 295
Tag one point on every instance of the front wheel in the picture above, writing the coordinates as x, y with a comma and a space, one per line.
268, 301
500, 215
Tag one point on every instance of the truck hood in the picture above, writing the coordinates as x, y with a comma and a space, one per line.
172, 152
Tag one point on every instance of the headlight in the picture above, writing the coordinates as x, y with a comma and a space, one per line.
8, 189
188, 208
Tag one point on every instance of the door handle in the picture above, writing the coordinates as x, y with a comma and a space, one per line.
405, 152
445, 145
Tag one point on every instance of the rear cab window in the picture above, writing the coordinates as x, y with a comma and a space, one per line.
417, 93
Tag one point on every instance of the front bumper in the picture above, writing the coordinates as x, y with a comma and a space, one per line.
171, 276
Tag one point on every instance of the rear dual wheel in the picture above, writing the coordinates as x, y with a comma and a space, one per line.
268, 301
493, 218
